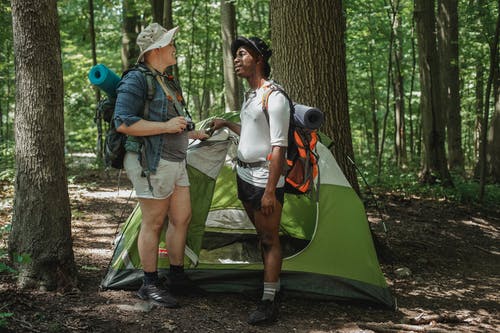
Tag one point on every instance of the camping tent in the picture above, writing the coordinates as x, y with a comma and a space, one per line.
327, 246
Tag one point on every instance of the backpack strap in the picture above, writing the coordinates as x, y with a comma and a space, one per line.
151, 89
265, 100
265, 108
150, 84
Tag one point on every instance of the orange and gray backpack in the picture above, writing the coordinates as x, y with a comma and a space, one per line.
301, 157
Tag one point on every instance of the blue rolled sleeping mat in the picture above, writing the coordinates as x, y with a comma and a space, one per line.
105, 79
308, 116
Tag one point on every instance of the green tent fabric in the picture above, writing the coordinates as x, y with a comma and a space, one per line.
327, 246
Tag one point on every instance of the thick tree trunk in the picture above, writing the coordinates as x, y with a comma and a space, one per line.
309, 61
450, 86
168, 20
41, 223
228, 31
491, 85
157, 7
435, 165
130, 30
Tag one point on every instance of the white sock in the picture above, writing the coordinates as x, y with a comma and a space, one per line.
270, 290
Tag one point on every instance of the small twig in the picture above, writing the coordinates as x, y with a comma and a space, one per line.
391, 327
486, 250
444, 318
26, 325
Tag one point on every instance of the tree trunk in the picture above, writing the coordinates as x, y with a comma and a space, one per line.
205, 94
168, 20
435, 165
157, 7
130, 30
492, 82
387, 98
7, 81
398, 87
410, 93
494, 134
309, 60
2, 139
41, 222
450, 86
374, 107
190, 51
97, 91
228, 31
479, 114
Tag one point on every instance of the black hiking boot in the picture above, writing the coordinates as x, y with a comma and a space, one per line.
180, 284
157, 296
266, 313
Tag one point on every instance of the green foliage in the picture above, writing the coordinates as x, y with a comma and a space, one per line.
199, 58
17, 258
4, 231
367, 52
407, 183
3, 318
7, 160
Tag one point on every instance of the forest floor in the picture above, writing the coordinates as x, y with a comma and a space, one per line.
441, 261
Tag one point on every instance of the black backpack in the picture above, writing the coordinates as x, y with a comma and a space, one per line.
301, 164
114, 142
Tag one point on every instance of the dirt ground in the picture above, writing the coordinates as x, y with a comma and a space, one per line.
440, 259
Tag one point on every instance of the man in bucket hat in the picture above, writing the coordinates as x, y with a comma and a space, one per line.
261, 150
156, 160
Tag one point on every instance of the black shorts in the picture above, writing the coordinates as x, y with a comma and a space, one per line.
249, 193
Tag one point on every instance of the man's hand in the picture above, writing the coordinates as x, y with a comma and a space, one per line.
198, 135
218, 123
267, 203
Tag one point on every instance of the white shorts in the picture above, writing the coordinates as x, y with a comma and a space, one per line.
168, 175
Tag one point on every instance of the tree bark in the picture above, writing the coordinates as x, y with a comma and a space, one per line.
398, 87
450, 86
410, 93
157, 7
492, 82
309, 60
435, 166
1, 122
97, 91
373, 110
494, 134
479, 107
168, 20
41, 222
130, 30
228, 31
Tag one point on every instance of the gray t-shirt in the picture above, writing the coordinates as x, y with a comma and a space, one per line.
174, 144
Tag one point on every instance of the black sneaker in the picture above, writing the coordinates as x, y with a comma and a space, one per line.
158, 296
181, 284
266, 313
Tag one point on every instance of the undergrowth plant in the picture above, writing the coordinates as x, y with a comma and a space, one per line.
5, 268
406, 182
